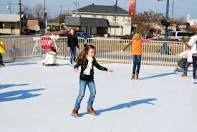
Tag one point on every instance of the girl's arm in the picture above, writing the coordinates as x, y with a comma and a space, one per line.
127, 46
183, 54
77, 66
95, 63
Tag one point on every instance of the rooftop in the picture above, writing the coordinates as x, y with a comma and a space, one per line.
34, 98
103, 9
82, 21
9, 18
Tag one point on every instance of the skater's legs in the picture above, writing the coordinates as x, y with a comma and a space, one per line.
92, 88
72, 55
138, 64
134, 64
81, 93
186, 67
1, 59
194, 66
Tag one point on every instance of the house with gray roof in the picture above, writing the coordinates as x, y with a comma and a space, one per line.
9, 24
93, 26
118, 18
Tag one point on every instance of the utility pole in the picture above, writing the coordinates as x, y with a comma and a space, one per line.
172, 10
76, 3
165, 48
20, 13
10, 7
60, 16
45, 17
116, 10
167, 18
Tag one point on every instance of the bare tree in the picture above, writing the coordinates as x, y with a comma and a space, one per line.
38, 11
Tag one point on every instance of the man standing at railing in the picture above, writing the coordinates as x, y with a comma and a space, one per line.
2, 51
193, 44
72, 45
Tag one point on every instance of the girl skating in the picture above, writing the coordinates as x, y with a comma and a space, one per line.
86, 60
136, 51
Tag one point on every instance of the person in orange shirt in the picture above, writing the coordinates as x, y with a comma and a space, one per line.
136, 51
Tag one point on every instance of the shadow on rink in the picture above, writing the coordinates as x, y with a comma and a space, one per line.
19, 95
158, 76
123, 106
4, 86
22, 64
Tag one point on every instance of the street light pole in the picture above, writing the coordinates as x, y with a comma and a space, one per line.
167, 18
165, 49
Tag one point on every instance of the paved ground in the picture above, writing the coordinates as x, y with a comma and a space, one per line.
34, 98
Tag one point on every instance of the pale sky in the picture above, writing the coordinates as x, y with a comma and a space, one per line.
182, 7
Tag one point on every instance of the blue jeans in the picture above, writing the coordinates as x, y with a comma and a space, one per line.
136, 63
1, 59
92, 88
194, 67
185, 69
73, 54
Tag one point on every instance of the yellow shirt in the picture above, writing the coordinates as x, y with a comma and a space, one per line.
2, 47
136, 47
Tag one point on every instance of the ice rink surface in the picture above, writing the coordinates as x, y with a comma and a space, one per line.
34, 98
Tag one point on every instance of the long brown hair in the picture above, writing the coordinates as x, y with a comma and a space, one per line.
83, 54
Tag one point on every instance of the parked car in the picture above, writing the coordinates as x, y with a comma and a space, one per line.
83, 35
178, 35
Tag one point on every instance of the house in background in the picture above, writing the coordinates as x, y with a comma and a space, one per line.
92, 26
33, 25
9, 24
118, 18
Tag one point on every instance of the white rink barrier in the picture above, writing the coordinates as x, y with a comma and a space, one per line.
108, 50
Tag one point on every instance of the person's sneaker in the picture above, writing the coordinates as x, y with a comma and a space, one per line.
75, 113
91, 111
184, 75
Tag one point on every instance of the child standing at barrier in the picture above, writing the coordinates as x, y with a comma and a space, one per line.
72, 46
2, 51
51, 57
86, 60
193, 44
136, 51
187, 60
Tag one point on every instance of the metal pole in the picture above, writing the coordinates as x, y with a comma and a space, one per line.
165, 49
45, 17
10, 7
116, 9
20, 13
60, 15
167, 18
172, 10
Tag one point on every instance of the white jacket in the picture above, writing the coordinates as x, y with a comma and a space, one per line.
50, 59
187, 54
192, 43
